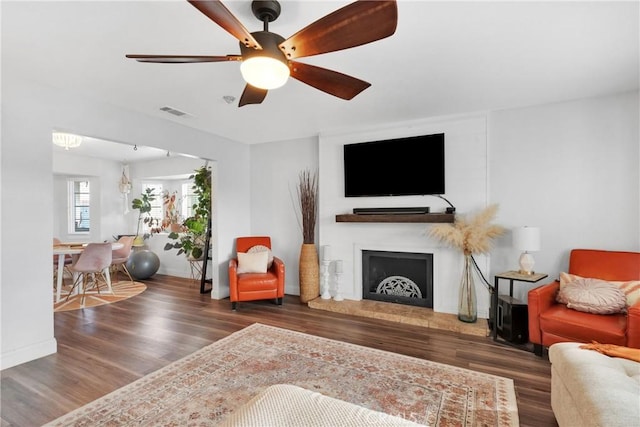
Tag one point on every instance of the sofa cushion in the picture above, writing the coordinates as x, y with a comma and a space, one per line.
591, 389
257, 282
573, 325
592, 296
631, 288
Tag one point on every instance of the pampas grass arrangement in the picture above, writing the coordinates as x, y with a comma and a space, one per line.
308, 197
473, 234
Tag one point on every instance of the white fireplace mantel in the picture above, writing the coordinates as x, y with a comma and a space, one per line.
466, 160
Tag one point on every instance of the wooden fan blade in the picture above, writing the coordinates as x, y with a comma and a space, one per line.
252, 95
218, 13
331, 82
182, 59
354, 25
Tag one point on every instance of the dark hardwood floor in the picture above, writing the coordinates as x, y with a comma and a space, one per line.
103, 348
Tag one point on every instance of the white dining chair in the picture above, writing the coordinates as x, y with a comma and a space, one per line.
93, 264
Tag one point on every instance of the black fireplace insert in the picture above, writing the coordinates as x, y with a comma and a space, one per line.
398, 277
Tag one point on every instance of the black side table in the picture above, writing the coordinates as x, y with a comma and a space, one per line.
511, 276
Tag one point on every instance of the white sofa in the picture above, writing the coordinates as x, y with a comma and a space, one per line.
591, 389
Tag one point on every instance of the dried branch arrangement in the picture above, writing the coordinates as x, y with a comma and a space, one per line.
308, 196
472, 235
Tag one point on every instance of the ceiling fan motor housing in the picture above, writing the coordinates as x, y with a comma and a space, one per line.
269, 42
265, 10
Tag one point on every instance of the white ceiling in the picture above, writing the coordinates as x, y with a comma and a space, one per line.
445, 58
118, 152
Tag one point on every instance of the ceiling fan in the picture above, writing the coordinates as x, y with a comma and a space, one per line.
268, 59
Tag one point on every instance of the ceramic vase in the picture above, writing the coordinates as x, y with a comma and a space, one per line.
467, 303
309, 273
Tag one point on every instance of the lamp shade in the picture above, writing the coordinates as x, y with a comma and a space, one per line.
264, 72
527, 238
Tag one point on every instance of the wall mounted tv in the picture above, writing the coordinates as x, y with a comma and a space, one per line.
395, 167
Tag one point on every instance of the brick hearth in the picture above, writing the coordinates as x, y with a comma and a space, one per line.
401, 313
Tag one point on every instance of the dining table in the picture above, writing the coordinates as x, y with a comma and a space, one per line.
74, 249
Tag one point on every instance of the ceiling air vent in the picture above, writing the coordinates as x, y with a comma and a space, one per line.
174, 111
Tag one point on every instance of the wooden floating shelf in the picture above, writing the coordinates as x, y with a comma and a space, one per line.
430, 217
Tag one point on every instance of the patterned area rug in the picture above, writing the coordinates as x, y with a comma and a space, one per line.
122, 290
206, 386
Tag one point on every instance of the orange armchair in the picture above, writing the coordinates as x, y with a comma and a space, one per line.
551, 322
251, 286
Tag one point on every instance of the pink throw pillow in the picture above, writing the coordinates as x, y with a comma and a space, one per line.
593, 296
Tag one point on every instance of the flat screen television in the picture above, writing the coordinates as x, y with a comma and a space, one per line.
395, 167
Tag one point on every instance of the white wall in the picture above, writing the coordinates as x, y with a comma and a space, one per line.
466, 188
29, 114
573, 170
274, 205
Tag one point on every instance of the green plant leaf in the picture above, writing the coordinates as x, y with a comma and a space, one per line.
196, 252
191, 241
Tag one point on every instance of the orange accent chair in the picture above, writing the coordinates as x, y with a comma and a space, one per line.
551, 322
255, 286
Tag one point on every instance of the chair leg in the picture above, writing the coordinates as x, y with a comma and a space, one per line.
115, 270
107, 279
85, 285
233, 306
279, 301
537, 349
126, 270
76, 282
99, 278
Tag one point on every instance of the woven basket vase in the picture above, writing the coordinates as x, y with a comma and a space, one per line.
309, 273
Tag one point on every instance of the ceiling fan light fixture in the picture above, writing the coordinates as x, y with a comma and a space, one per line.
264, 72
66, 140
268, 59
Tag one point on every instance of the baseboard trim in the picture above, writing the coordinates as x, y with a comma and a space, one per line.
26, 354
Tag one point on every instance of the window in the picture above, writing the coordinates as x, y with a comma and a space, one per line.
157, 210
189, 198
79, 206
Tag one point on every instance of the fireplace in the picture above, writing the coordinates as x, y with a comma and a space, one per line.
398, 277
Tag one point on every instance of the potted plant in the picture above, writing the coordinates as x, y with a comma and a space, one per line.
143, 205
191, 239
308, 263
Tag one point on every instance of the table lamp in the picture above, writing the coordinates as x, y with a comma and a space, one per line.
527, 239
